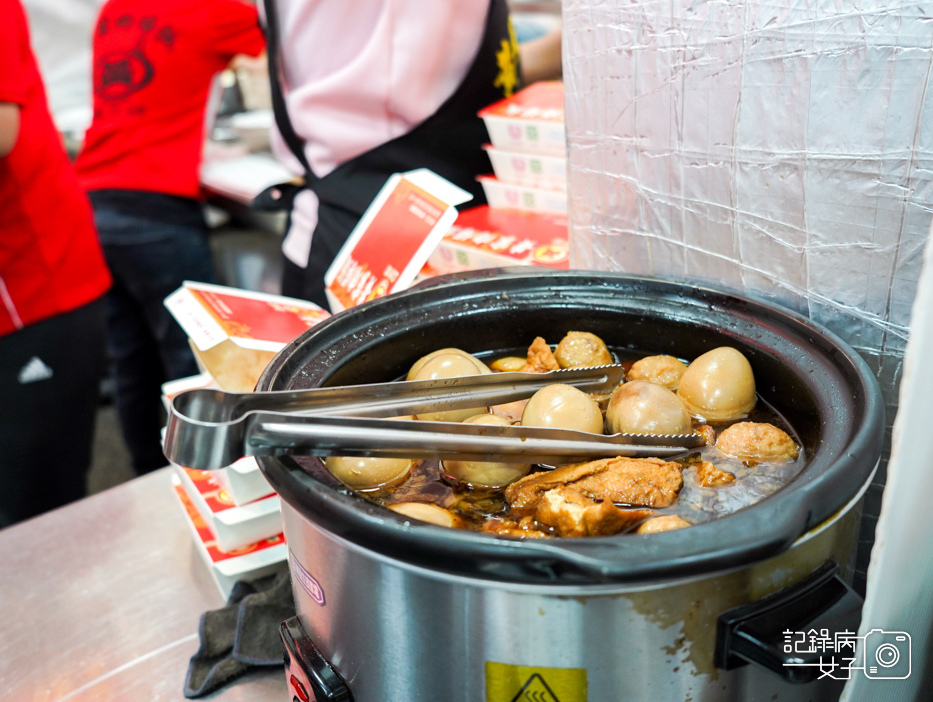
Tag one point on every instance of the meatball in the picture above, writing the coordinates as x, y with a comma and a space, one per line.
707, 432
660, 370
757, 441
524, 528
580, 349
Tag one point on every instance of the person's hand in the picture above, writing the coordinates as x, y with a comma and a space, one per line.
250, 64
541, 58
9, 127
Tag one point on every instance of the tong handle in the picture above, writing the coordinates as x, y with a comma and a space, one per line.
392, 399
211, 429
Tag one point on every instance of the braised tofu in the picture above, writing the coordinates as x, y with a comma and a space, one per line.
571, 514
709, 475
540, 358
524, 528
643, 482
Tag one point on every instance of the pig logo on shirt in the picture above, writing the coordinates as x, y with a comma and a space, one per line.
123, 67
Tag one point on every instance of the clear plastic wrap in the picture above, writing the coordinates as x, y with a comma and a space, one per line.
779, 149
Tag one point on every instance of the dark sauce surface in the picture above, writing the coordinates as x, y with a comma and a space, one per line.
754, 481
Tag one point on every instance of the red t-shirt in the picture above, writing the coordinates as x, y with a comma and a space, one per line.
50, 261
154, 63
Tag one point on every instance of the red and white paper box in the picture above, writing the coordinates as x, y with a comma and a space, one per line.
530, 170
236, 333
234, 527
211, 314
394, 238
501, 195
243, 481
484, 237
531, 120
251, 562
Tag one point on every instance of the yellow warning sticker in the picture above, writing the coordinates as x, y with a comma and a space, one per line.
520, 683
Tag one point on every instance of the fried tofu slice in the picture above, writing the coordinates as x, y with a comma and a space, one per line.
524, 528
642, 482
709, 475
571, 514
540, 358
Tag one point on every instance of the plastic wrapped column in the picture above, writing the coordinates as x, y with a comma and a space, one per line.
780, 149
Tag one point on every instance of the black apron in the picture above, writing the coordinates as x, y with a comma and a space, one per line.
449, 142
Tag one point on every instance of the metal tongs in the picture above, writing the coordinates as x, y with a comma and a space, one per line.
211, 429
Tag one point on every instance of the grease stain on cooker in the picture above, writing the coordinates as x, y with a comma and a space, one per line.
695, 619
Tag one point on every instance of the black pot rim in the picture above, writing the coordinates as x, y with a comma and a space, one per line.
848, 396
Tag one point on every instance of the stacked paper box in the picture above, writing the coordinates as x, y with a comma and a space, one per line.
502, 195
237, 511
531, 169
243, 481
484, 237
233, 513
530, 121
235, 538
233, 526
528, 150
227, 567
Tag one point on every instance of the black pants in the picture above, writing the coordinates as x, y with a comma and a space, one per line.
50, 376
149, 257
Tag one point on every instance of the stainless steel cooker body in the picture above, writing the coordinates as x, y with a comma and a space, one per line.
394, 631
397, 610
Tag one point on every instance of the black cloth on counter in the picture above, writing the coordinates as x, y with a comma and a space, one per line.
243, 636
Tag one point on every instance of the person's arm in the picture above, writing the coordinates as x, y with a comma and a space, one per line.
9, 127
235, 29
541, 58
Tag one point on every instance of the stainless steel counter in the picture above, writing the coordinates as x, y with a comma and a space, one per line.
100, 600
